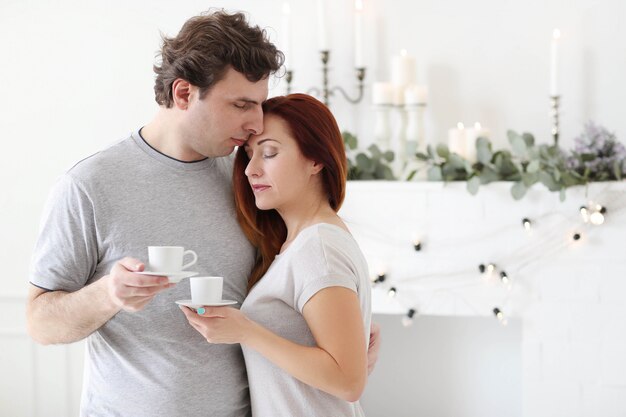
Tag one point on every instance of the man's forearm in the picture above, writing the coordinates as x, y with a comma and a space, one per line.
55, 317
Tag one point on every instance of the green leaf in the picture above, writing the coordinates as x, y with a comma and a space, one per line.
434, 174
562, 194
518, 145
483, 150
443, 151
350, 140
518, 190
533, 167
473, 184
430, 152
376, 154
488, 175
411, 175
547, 180
422, 156
529, 179
617, 169
529, 139
388, 156
388, 174
364, 163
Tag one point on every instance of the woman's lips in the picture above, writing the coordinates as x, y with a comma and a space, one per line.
260, 187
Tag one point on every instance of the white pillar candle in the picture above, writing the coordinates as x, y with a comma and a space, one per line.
382, 93
321, 25
456, 139
358, 34
286, 36
554, 63
471, 135
415, 94
402, 69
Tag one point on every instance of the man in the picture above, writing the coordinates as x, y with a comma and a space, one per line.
164, 185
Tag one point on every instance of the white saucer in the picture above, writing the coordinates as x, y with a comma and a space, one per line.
188, 303
174, 277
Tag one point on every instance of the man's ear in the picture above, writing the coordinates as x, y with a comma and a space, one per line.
181, 91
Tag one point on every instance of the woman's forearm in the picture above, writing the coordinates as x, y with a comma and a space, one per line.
312, 365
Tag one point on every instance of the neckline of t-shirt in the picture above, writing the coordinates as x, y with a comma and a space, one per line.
312, 227
168, 160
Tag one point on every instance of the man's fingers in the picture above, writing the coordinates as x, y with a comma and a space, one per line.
132, 264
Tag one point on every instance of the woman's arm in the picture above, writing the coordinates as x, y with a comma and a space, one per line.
337, 365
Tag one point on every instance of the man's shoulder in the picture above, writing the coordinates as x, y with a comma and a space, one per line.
108, 159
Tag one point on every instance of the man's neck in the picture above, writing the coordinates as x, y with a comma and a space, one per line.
162, 134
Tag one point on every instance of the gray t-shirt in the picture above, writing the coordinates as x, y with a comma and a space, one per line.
114, 204
321, 256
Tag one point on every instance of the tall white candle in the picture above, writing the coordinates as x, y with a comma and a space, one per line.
402, 69
554, 63
286, 35
321, 25
415, 94
358, 34
456, 139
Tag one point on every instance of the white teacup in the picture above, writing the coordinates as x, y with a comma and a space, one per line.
169, 258
206, 290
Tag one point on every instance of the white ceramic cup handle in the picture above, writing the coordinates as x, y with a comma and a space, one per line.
195, 258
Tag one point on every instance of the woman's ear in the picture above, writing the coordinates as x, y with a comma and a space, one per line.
317, 167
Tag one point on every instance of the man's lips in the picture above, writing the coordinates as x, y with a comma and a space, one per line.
239, 142
259, 187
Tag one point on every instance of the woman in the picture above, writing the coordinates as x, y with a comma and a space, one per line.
304, 326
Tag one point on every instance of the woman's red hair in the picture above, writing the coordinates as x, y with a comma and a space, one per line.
317, 134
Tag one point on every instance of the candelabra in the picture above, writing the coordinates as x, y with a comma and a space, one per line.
326, 91
554, 112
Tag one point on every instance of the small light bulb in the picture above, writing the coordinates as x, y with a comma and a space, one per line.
584, 212
407, 320
596, 218
481, 268
491, 268
576, 236
392, 292
504, 277
380, 278
500, 316
527, 223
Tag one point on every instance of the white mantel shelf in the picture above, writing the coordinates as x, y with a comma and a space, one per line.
459, 231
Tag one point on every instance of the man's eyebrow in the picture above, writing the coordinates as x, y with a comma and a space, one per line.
247, 100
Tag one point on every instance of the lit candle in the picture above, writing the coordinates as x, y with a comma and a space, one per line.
456, 139
471, 135
286, 35
402, 69
358, 34
554, 63
321, 25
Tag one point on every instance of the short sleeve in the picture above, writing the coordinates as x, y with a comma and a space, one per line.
339, 271
66, 251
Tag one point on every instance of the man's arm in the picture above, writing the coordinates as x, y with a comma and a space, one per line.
64, 317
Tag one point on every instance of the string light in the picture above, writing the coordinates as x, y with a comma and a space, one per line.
407, 320
500, 316
504, 277
576, 236
392, 292
417, 245
380, 278
584, 212
488, 268
526, 223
